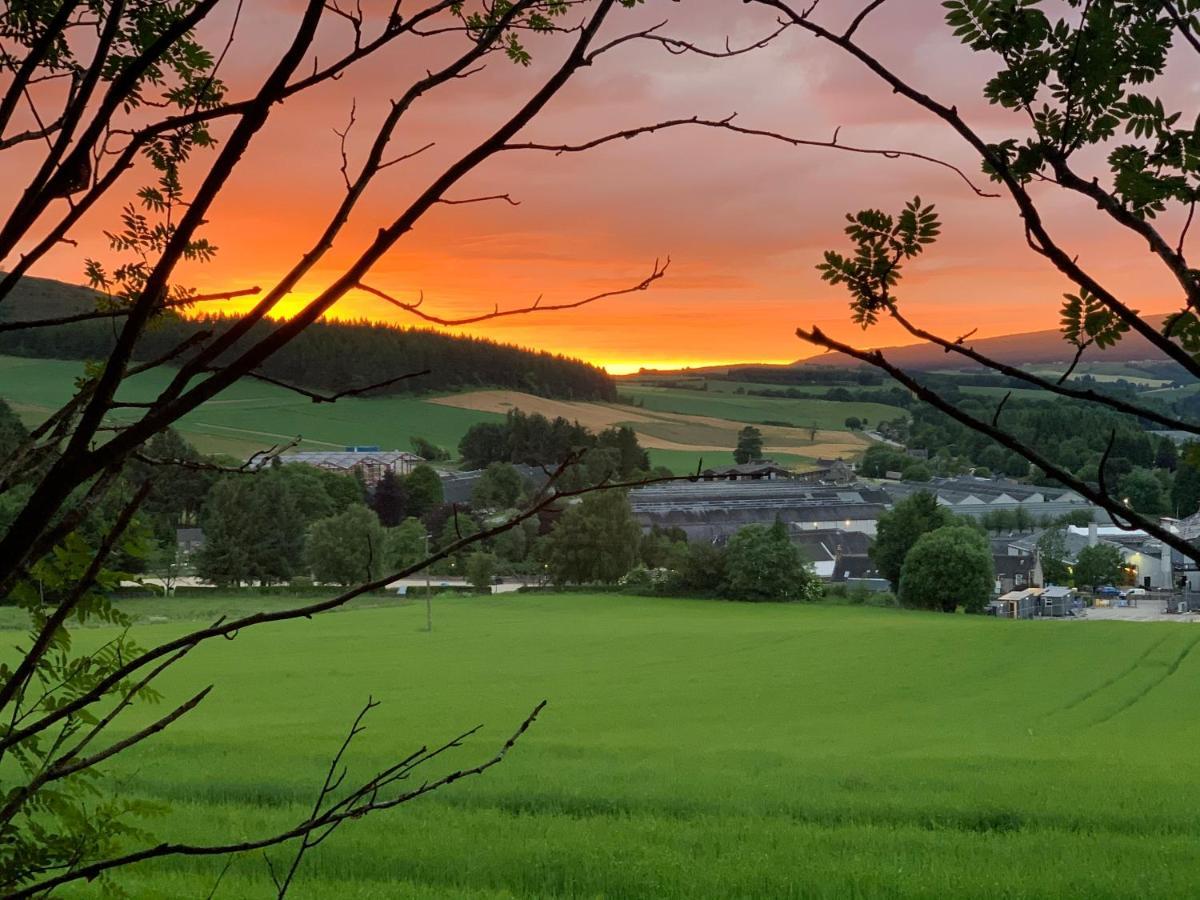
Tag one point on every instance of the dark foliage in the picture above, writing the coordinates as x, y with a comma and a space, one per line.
339, 356
533, 439
390, 499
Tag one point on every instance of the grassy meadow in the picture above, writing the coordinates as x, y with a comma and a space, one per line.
691, 749
252, 415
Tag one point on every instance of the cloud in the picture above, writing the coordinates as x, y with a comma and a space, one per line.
744, 220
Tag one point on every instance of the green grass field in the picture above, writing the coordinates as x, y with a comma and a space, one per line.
829, 414
696, 749
253, 415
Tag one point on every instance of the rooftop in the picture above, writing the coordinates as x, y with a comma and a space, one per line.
346, 458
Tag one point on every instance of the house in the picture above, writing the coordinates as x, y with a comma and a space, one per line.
758, 470
189, 541
368, 462
830, 471
829, 548
1014, 573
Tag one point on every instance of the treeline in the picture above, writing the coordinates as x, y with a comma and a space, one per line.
803, 375
533, 439
335, 356
1151, 472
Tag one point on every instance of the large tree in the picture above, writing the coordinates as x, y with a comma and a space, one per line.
347, 548
423, 490
749, 445
253, 531
947, 568
390, 499
901, 527
1098, 565
762, 563
406, 545
1052, 554
595, 540
499, 487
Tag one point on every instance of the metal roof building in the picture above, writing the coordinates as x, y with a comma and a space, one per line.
715, 510
371, 464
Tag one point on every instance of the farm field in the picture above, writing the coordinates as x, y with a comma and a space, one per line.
689, 436
720, 386
252, 415
694, 749
824, 414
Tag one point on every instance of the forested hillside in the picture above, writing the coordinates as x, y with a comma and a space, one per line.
328, 356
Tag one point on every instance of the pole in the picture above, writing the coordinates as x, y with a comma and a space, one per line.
428, 592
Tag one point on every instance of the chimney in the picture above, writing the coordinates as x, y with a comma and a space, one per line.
1092, 538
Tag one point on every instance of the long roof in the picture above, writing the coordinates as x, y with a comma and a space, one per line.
344, 459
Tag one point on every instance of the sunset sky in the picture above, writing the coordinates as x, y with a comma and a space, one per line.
743, 220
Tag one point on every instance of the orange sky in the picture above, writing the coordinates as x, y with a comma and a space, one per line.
744, 220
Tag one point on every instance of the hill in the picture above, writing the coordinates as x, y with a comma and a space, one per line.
328, 356
689, 749
250, 415
1043, 348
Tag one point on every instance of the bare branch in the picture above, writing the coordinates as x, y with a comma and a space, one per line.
1004, 439
92, 315
678, 46
252, 464
505, 197
414, 308
1058, 386
861, 17
333, 398
363, 800
1039, 236
727, 124
31, 657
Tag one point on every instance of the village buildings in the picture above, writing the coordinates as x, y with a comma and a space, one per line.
714, 510
369, 463
967, 495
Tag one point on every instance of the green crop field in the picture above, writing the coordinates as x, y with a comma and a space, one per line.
830, 414
692, 749
252, 415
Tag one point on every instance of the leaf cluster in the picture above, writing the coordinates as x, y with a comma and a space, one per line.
1083, 80
881, 245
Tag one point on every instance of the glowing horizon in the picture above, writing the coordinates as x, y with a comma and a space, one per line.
744, 221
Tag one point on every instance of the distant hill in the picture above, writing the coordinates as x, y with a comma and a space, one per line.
1027, 348
327, 356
